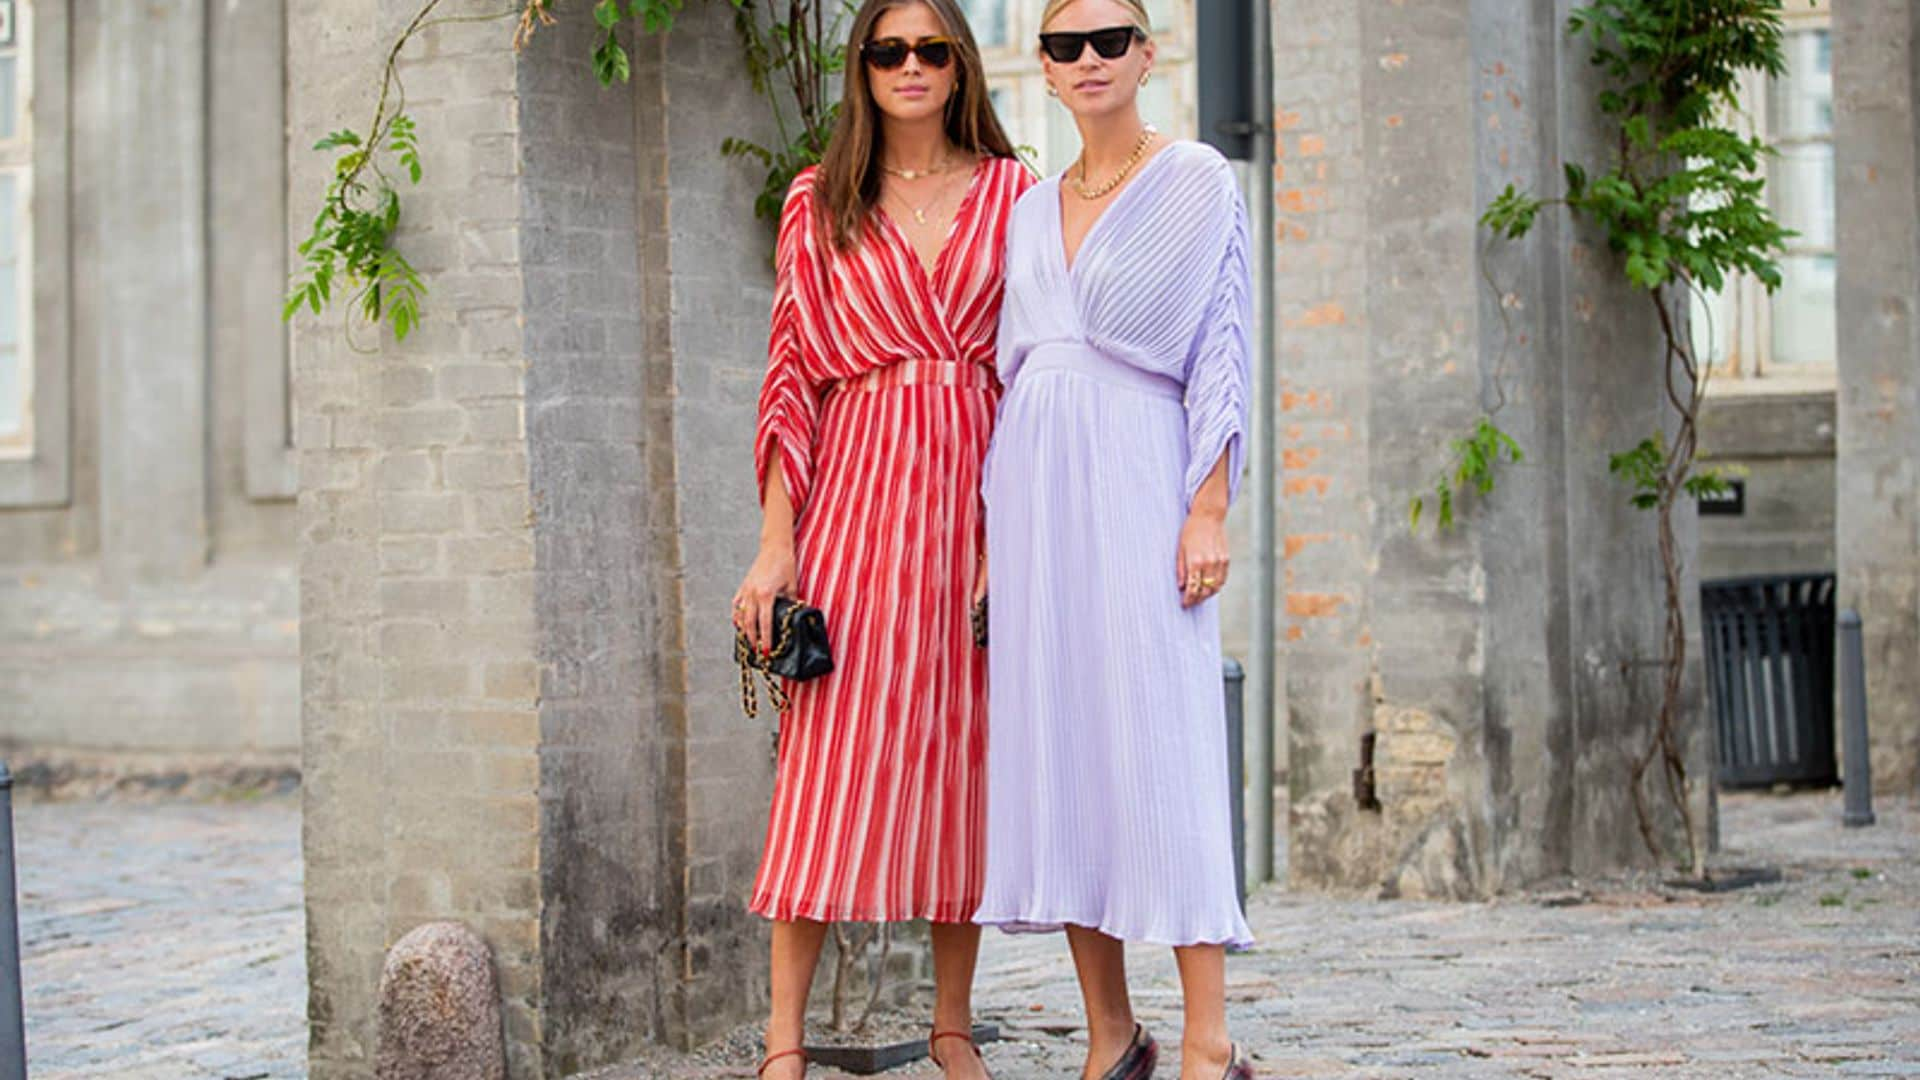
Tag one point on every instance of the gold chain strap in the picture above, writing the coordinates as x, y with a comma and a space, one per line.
776, 688
750, 702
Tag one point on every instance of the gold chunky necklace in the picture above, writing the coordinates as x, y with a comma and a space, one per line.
1139, 150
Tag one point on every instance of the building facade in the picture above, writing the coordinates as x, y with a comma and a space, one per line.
148, 594
478, 578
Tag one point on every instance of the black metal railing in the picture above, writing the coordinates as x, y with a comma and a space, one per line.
1770, 680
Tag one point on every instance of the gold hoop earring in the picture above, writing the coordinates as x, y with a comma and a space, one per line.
1144, 76
1052, 91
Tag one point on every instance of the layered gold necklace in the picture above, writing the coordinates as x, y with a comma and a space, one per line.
943, 165
920, 212
1079, 184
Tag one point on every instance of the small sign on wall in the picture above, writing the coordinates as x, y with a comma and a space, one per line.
1729, 503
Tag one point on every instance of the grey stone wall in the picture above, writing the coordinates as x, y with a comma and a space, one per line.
1876, 50
519, 531
1504, 668
708, 267
611, 783
152, 606
1782, 446
421, 676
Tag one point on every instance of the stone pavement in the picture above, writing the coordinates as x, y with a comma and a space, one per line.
164, 941
1817, 976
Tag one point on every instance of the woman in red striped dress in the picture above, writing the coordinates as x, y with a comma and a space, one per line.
874, 419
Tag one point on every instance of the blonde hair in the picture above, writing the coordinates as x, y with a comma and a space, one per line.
1138, 7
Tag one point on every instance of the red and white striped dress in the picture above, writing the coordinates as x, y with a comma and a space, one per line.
879, 401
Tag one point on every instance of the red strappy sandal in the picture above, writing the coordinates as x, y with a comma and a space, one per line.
934, 1056
767, 1062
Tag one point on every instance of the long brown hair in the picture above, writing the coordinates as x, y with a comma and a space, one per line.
848, 184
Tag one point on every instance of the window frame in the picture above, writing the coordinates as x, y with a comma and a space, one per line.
1749, 350
40, 475
16, 159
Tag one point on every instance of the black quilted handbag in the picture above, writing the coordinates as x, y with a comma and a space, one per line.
799, 653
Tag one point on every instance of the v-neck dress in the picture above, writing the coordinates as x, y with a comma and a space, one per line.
1126, 374
878, 404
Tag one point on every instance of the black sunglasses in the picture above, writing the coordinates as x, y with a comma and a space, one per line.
889, 53
1112, 43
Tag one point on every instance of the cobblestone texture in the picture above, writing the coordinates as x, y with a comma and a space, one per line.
162, 941
165, 942
1812, 977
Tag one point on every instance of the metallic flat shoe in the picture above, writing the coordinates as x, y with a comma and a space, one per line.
1238, 1067
1138, 1062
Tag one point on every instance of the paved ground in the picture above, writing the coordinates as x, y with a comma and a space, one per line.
164, 941
1818, 976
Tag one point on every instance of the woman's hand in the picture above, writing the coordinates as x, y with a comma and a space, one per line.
1203, 540
772, 575
773, 571
1203, 556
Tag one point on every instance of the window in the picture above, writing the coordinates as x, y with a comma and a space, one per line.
1008, 33
16, 233
35, 255
1790, 334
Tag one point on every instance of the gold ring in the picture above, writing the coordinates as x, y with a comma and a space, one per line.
1207, 583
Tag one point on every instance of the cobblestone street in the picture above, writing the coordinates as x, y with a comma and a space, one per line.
164, 941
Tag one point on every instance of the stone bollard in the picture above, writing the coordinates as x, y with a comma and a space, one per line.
1857, 769
440, 1008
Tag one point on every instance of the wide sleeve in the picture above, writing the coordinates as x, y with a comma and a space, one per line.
1218, 368
789, 401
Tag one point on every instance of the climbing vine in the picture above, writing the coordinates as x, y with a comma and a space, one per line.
794, 51
1682, 203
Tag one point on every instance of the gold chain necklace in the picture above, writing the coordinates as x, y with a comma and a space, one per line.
1139, 150
920, 213
945, 165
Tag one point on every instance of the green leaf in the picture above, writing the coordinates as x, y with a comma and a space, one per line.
610, 62
606, 13
1576, 180
343, 137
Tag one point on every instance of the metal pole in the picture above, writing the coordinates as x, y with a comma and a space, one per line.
1235, 677
1858, 768
1261, 674
13, 1037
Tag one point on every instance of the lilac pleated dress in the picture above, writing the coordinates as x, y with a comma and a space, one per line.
1107, 797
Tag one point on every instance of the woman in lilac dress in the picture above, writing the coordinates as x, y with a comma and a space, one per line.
1123, 346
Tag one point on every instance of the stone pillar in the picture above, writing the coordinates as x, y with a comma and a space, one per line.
1876, 47
519, 529
707, 278
1503, 669
152, 195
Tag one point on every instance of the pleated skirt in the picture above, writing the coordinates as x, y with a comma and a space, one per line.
1107, 785
879, 789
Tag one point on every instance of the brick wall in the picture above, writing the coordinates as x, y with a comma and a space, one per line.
420, 675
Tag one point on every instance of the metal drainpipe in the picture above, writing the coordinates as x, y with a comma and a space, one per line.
13, 1043
1261, 674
